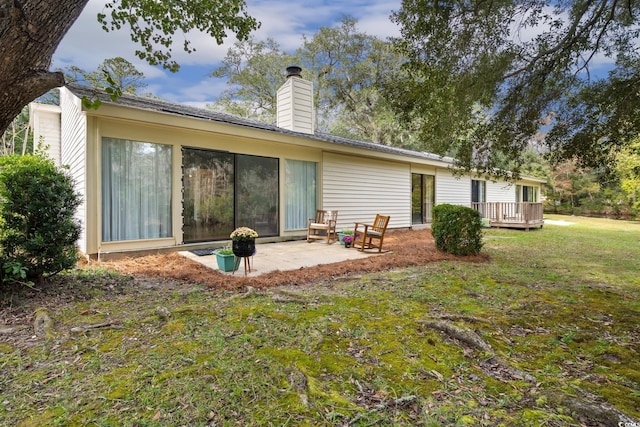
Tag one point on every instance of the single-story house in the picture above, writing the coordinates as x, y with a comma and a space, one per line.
155, 175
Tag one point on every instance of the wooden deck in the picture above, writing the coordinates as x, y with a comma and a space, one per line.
511, 214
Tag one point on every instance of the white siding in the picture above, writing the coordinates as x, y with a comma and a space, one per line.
500, 191
45, 122
295, 106
360, 188
284, 107
455, 190
73, 152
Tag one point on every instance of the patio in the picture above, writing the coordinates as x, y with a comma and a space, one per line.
280, 264
286, 256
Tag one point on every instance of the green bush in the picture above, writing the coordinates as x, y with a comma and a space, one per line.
38, 231
457, 229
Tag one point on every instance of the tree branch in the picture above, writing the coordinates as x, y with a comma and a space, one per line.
601, 35
572, 34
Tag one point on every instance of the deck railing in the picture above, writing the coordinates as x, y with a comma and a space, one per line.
511, 214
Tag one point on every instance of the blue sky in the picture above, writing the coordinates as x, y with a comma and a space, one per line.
87, 45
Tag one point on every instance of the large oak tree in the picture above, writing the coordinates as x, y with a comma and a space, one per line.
486, 77
31, 30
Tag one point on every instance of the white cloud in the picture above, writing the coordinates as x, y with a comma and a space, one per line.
87, 45
286, 22
196, 92
376, 21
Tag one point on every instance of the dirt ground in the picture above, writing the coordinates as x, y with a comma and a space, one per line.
406, 248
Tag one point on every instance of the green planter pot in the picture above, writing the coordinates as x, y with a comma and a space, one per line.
226, 262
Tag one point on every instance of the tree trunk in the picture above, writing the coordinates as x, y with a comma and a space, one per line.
30, 32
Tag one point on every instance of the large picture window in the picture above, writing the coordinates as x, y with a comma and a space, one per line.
300, 193
136, 190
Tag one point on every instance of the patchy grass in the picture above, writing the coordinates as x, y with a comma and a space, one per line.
558, 310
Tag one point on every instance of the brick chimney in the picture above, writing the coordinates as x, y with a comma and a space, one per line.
295, 103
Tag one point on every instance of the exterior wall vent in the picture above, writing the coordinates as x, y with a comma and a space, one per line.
295, 109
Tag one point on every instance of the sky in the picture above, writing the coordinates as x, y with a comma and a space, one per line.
86, 45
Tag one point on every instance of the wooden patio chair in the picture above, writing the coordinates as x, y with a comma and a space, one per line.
323, 226
365, 234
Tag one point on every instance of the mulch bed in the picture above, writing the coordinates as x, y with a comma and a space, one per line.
407, 248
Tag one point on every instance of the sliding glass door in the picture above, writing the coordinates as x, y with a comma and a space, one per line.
422, 198
479, 195
208, 197
257, 194
223, 191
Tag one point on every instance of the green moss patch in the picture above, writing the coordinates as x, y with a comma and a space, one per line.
559, 305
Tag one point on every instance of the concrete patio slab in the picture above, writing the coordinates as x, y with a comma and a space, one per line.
284, 256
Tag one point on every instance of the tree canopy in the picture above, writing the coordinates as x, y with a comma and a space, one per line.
122, 72
628, 170
486, 76
254, 71
348, 68
31, 30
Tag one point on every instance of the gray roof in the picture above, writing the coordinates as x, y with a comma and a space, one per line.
156, 105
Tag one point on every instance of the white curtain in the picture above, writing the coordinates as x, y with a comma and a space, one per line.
429, 197
136, 190
301, 193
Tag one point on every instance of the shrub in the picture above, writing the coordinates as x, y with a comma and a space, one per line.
37, 227
457, 229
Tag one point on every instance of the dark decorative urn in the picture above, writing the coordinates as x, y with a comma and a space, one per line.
243, 248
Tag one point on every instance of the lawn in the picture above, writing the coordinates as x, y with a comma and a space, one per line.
544, 332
